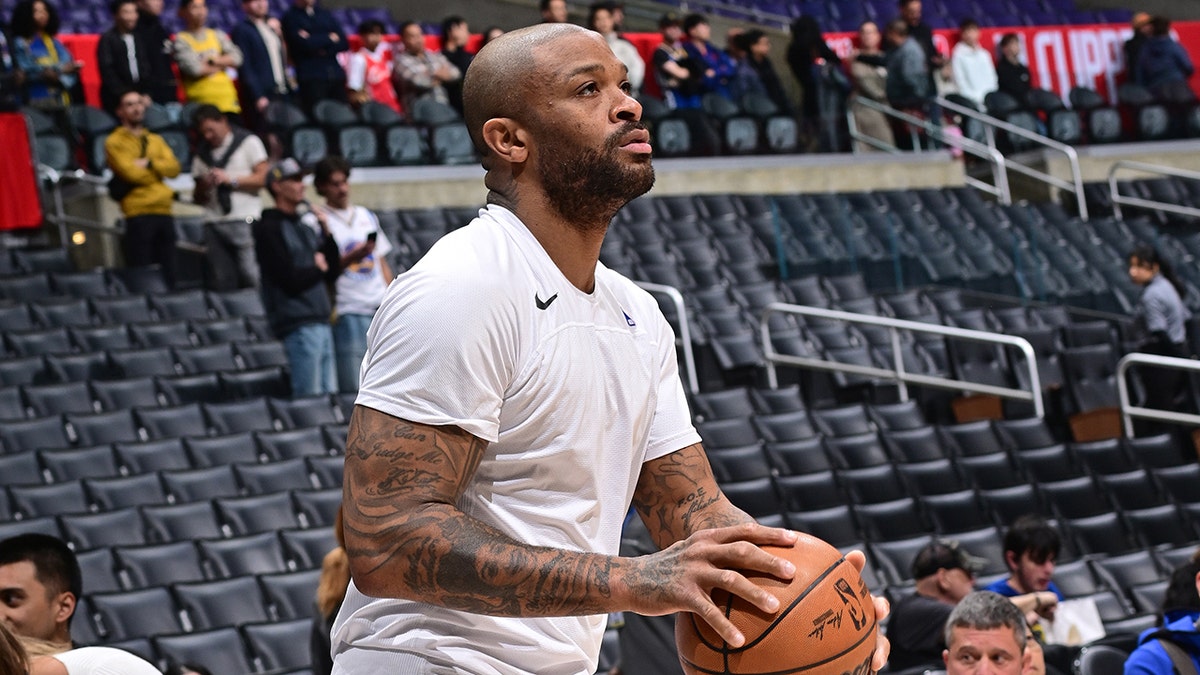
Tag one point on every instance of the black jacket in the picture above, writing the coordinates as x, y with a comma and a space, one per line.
160, 80
112, 57
294, 290
315, 56
255, 78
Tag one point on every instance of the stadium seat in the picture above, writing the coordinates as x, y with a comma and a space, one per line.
404, 145
201, 484
54, 399
221, 650
253, 554
1090, 375
121, 492
1052, 463
743, 463
33, 501
171, 422
892, 520
223, 602
158, 564
258, 513
260, 354
723, 404
799, 457
1104, 533
1026, 433
835, 525
727, 433
873, 484
33, 434
157, 455
102, 427
38, 342
125, 394
180, 390
1163, 525
920, 444
935, 477
305, 549
894, 558
137, 613
290, 594
99, 569
991, 471
844, 421
857, 452
274, 644
1133, 489
20, 469
22, 370
954, 512
1076, 497
305, 412
142, 362
287, 474
85, 531
100, 338
291, 443
60, 312
317, 508
70, 464
238, 416
180, 522
270, 381
327, 471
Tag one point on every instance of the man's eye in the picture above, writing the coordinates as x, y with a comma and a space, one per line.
626, 87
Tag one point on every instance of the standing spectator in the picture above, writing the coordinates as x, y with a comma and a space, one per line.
974, 71
455, 35
1012, 76
1133, 46
553, 11
813, 64
203, 55
41, 584
365, 272
868, 74
230, 168
600, 19
314, 38
160, 81
908, 83
263, 77
9, 85
49, 70
369, 70
120, 56
1162, 61
677, 73
298, 259
718, 67
419, 72
945, 574
1166, 648
141, 160
910, 12
756, 73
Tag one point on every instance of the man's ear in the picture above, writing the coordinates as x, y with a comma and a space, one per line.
1010, 559
507, 139
64, 606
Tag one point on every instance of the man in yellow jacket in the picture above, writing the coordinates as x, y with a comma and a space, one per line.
140, 160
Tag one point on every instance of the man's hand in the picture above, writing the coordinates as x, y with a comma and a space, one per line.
320, 262
262, 103
141, 162
358, 253
683, 576
218, 176
882, 647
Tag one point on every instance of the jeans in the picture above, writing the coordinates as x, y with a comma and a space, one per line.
310, 358
350, 346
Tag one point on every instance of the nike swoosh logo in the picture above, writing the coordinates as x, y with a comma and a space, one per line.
544, 305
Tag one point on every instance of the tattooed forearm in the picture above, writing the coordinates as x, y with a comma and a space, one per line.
678, 495
407, 538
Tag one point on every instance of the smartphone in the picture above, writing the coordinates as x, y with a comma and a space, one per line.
372, 237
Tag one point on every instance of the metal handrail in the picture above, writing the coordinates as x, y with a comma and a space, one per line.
1075, 185
999, 186
896, 372
1129, 411
1117, 199
685, 329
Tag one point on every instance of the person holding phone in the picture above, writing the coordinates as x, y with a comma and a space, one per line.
365, 271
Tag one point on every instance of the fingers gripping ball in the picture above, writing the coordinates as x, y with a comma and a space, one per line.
825, 624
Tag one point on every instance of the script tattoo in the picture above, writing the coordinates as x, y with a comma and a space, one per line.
678, 495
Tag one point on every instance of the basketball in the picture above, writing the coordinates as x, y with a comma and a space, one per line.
825, 624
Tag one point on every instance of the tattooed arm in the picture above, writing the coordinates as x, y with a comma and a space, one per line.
406, 538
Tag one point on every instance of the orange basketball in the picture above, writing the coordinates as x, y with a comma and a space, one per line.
825, 624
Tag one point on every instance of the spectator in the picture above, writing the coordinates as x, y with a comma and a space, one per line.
49, 70
92, 661
331, 591
298, 259
600, 19
733, 46
1182, 597
41, 584
908, 85
204, 54
1161, 319
13, 659
263, 76
974, 71
491, 33
1012, 76
230, 168
910, 12
945, 574
868, 75
10, 95
365, 272
121, 58
1140, 23
678, 74
814, 64
1162, 61
419, 72
314, 38
455, 35
718, 67
140, 160
1175, 647
985, 634
160, 82
755, 72
369, 70
553, 11
1031, 548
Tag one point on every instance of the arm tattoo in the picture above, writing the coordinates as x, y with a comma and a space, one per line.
678, 495
407, 538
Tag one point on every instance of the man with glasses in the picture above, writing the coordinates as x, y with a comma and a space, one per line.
945, 574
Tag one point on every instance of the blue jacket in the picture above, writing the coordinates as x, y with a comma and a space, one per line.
255, 77
1162, 60
315, 56
1151, 659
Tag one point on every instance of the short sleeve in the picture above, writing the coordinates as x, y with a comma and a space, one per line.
256, 151
672, 427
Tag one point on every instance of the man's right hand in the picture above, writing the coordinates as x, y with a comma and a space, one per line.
320, 262
683, 576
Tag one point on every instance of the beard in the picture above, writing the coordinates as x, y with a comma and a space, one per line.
587, 186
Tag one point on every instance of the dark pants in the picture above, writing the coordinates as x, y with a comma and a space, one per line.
150, 240
314, 91
231, 260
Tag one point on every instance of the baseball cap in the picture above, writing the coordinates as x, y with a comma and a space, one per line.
284, 169
669, 19
944, 555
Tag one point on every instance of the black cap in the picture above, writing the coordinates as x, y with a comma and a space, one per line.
669, 19
944, 555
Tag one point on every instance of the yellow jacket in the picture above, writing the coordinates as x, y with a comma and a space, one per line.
150, 195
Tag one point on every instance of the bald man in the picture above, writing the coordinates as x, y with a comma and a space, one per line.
517, 397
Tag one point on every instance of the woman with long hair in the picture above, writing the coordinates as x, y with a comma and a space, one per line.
49, 70
331, 591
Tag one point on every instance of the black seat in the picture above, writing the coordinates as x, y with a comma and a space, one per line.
130, 363
724, 404
32, 501
920, 444
81, 367
747, 462
896, 519
935, 477
260, 354
180, 522
1104, 533
19, 469
1091, 378
1076, 497
38, 342
55, 399
811, 491
1026, 433
159, 564
212, 451
327, 471
103, 427
183, 389
221, 650
61, 313
873, 484
955, 512
167, 333
110, 528
835, 525
258, 513
799, 457
992, 471
172, 422
291, 443
220, 331
181, 305
1163, 525
1133, 490
120, 310
856, 452
99, 568
224, 602
137, 613
157, 455
195, 360
253, 554
16, 371
969, 439
266, 382
35, 434
844, 421
305, 549
1053, 463
237, 416
317, 508
756, 497
1157, 451
897, 416
894, 558
124, 394
196, 484
121, 492
274, 644
290, 594
727, 433
286, 474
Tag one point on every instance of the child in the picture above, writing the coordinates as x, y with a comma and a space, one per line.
369, 70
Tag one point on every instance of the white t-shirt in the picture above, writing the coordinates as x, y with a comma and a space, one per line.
247, 156
572, 391
974, 72
104, 661
360, 286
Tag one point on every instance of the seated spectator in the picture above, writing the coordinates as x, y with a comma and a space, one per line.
985, 634
755, 72
553, 11
974, 72
908, 84
121, 58
1174, 647
203, 55
1031, 549
1182, 597
718, 67
600, 19
420, 72
945, 574
42, 584
160, 51
1162, 61
679, 76
1012, 76
369, 70
489, 34
868, 76
48, 69
263, 76
455, 35
314, 39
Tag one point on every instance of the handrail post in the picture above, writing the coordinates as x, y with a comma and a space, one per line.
685, 329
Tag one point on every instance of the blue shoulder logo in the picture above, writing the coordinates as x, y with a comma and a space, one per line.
629, 320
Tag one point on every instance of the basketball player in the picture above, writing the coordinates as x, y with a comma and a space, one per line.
517, 397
